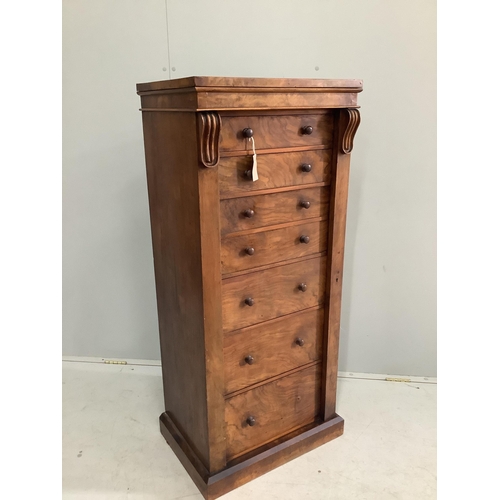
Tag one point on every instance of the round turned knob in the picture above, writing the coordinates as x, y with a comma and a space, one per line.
308, 130
249, 360
248, 174
250, 213
306, 167
249, 250
305, 239
302, 287
248, 132
251, 421
249, 301
305, 204
300, 342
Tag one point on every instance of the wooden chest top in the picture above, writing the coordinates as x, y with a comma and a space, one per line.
198, 93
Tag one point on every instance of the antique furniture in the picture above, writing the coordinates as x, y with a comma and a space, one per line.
248, 270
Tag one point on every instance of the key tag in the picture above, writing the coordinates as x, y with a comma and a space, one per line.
255, 175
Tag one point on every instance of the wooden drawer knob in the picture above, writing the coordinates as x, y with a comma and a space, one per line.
307, 130
249, 213
305, 204
251, 421
248, 132
248, 174
249, 301
305, 239
249, 360
306, 167
249, 250
300, 342
302, 287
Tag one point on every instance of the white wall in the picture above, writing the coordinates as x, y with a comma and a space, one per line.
389, 313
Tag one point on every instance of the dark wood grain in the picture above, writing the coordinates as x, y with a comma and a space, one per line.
189, 459
338, 213
275, 293
275, 453
170, 142
285, 189
219, 94
273, 348
277, 408
275, 171
270, 266
248, 274
275, 377
245, 83
270, 209
170, 102
279, 443
256, 463
272, 246
212, 315
224, 100
208, 138
275, 131
273, 151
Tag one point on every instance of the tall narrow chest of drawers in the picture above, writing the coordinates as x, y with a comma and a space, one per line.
247, 182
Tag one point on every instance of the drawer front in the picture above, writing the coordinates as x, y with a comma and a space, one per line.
263, 351
275, 171
262, 295
274, 409
276, 131
250, 212
243, 252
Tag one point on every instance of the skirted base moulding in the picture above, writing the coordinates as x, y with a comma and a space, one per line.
254, 464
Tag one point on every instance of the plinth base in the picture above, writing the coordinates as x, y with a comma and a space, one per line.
254, 464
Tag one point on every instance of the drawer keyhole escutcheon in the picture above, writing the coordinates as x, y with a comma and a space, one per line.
305, 239
302, 287
249, 360
249, 213
305, 204
251, 421
249, 301
306, 167
300, 342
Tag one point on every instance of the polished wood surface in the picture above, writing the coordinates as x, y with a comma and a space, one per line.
253, 212
254, 464
231, 99
338, 214
276, 131
248, 274
270, 266
338, 85
275, 346
257, 249
275, 171
212, 315
178, 269
274, 292
262, 94
276, 408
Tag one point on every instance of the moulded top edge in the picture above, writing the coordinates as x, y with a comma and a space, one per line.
354, 85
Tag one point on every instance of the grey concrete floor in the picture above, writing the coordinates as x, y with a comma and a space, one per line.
113, 450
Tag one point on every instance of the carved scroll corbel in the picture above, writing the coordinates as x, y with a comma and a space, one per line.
353, 121
209, 123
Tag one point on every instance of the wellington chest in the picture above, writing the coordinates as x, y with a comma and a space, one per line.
247, 182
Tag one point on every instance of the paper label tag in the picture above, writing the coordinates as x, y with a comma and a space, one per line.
255, 174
